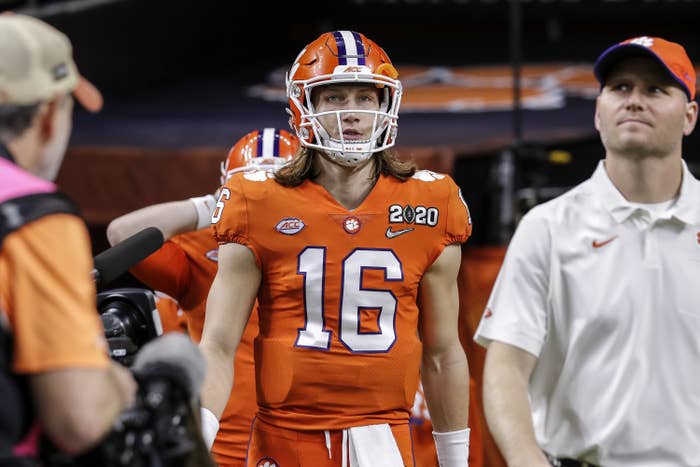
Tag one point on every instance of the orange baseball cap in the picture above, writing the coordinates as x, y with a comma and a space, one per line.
36, 64
670, 55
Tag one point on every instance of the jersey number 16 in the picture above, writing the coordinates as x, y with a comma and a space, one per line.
353, 299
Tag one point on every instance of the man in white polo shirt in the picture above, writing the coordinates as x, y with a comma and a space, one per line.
593, 325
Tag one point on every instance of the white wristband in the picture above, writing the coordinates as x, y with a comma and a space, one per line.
204, 205
210, 426
452, 448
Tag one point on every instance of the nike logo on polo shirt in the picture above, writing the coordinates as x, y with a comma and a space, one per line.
395, 233
597, 244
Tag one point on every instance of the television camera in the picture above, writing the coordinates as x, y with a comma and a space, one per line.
162, 428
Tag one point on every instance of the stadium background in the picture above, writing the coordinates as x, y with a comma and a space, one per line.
178, 78
183, 80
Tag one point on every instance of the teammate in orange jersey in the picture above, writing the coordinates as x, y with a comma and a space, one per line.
353, 258
172, 316
185, 267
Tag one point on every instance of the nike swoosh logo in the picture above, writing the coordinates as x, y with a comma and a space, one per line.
395, 233
597, 244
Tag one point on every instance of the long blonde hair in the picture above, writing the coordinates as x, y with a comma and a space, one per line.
301, 167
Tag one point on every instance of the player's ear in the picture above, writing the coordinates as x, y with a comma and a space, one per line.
48, 116
691, 117
46, 123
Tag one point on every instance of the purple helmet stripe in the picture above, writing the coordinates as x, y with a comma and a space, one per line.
360, 48
340, 43
276, 145
259, 152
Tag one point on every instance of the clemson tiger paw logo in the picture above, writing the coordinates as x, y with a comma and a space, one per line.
267, 462
352, 224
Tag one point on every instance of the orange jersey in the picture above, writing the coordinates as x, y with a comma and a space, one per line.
338, 344
172, 317
184, 268
49, 297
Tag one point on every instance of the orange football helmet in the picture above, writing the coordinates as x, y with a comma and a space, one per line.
266, 149
343, 57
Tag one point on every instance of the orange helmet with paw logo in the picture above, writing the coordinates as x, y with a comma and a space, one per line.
343, 57
266, 149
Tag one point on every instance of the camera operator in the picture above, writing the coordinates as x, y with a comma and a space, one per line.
55, 374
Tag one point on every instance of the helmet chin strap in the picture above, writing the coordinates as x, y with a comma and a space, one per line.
337, 149
348, 158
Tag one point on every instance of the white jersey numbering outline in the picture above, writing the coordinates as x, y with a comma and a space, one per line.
354, 298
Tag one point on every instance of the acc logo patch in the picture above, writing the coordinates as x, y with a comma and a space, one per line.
290, 225
213, 255
267, 462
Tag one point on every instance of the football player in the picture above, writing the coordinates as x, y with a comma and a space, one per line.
353, 257
185, 266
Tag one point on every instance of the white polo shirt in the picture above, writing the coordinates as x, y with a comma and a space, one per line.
607, 296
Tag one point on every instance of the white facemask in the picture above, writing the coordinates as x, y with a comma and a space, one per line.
346, 152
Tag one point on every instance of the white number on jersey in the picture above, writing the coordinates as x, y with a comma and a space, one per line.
354, 299
220, 203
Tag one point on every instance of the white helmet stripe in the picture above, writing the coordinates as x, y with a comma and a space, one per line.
268, 143
350, 48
